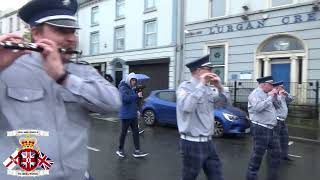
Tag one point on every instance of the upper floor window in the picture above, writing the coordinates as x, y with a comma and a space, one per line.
18, 24
11, 25
94, 16
275, 3
149, 4
94, 43
0, 27
119, 38
218, 8
150, 33
120, 8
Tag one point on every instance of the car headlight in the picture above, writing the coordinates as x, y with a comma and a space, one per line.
230, 117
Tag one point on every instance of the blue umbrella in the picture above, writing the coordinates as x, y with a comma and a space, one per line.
142, 77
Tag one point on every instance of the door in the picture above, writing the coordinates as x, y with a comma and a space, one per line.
281, 72
118, 77
158, 73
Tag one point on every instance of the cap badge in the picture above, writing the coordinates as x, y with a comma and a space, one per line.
66, 2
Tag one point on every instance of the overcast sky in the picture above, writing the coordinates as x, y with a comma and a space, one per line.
13, 4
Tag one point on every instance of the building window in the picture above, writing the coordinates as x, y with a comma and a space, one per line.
218, 8
149, 5
275, 3
94, 16
282, 43
94, 43
120, 9
10, 25
150, 33
18, 24
119, 37
217, 58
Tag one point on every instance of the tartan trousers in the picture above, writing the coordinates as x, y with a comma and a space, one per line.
197, 156
284, 139
264, 139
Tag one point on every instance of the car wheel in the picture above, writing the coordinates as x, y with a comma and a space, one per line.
149, 117
218, 129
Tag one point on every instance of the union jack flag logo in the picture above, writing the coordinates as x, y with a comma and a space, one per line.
44, 161
28, 159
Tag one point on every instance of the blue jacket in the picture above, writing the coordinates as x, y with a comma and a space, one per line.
129, 99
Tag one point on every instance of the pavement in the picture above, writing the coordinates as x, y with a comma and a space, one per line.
164, 163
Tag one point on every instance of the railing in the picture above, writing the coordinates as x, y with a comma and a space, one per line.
303, 119
304, 93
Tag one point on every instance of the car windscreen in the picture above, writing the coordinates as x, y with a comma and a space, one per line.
167, 96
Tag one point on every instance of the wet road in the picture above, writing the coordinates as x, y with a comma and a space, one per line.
163, 163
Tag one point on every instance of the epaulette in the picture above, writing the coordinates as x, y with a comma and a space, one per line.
187, 82
81, 62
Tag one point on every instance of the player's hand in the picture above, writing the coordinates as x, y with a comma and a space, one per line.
52, 59
8, 56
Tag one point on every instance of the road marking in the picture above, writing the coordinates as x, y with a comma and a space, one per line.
290, 143
93, 149
107, 119
294, 156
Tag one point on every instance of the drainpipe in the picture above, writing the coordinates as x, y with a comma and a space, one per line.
180, 42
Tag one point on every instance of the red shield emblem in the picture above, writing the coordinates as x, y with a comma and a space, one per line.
28, 159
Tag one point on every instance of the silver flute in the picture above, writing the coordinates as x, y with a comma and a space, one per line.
34, 47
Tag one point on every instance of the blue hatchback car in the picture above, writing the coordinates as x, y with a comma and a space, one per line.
160, 107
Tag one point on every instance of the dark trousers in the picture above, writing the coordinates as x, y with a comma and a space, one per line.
284, 139
90, 178
125, 124
264, 139
197, 156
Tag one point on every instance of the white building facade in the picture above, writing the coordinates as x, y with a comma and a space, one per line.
122, 36
11, 23
249, 39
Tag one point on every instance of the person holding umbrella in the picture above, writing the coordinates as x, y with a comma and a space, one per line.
128, 115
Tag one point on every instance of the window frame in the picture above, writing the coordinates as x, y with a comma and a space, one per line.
149, 9
226, 10
115, 38
271, 2
1, 24
118, 4
210, 45
91, 43
94, 13
18, 24
145, 34
10, 24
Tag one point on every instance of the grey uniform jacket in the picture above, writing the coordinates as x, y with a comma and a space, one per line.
195, 104
282, 107
261, 108
30, 99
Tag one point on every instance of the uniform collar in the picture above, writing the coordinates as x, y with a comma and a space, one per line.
194, 80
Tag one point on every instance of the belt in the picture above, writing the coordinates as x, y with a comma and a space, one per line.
263, 125
196, 138
280, 119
